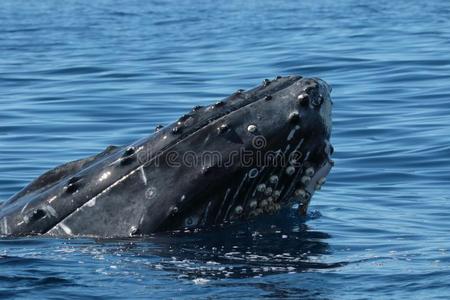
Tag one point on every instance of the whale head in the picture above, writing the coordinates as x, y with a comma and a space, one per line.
247, 155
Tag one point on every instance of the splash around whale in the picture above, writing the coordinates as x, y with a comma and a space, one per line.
247, 155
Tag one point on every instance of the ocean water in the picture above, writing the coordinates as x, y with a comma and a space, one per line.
76, 76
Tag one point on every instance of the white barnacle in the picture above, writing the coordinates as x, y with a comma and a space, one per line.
261, 188
276, 194
238, 210
305, 180
273, 179
300, 193
309, 172
290, 170
133, 231
150, 193
251, 128
4, 226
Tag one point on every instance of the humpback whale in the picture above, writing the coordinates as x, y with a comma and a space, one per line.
250, 154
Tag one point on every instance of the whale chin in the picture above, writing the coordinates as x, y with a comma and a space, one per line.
247, 155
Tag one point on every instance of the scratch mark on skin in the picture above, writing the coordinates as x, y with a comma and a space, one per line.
52, 199
144, 178
287, 149
4, 229
235, 196
65, 228
223, 203
205, 215
51, 211
291, 186
307, 155
292, 133
26, 205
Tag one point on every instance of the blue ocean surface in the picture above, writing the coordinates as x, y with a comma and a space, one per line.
76, 76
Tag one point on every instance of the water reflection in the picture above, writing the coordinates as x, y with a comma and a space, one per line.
270, 245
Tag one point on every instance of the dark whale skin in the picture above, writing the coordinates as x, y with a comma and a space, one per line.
148, 186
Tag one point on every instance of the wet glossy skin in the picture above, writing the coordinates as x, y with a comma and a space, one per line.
147, 186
